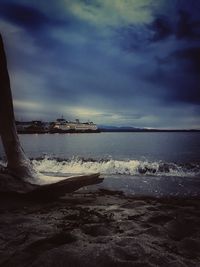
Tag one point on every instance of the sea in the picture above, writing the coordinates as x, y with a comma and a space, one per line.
155, 164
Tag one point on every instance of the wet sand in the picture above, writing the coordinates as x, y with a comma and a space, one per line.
103, 228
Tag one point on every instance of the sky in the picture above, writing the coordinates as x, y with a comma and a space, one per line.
114, 62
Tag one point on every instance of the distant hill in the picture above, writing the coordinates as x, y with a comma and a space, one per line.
107, 128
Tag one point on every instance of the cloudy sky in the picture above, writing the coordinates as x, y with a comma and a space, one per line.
115, 62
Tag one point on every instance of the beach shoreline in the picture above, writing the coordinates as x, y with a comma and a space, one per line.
102, 228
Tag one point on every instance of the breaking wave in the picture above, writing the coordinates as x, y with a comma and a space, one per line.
115, 167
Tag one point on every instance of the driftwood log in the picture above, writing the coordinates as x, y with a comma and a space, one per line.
18, 164
17, 176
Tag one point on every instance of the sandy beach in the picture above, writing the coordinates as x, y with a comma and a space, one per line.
102, 228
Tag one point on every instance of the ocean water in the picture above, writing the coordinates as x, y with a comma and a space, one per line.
138, 163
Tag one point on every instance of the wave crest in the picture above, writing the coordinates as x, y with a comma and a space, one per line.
115, 167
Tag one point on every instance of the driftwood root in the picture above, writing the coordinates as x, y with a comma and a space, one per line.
12, 185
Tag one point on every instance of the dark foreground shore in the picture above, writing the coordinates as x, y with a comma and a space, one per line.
102, 228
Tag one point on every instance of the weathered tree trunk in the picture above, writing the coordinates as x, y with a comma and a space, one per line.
18, 164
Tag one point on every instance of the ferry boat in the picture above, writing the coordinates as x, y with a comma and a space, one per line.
62, 125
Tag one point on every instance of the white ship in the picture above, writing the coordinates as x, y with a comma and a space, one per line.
61, 125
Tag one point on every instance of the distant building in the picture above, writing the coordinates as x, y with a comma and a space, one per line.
31, 127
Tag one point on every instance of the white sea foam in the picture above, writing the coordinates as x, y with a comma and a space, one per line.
115, 167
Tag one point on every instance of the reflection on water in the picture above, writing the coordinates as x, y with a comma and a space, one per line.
170, 147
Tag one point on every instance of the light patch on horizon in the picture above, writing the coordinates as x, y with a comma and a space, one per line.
81, 111
26, 105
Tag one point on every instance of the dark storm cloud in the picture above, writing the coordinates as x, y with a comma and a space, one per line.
25, 16
161, 29
138, 37
188, 87
183, 26
37, 23
179, 72
191, 57
178, 76
187, 26
171, 46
